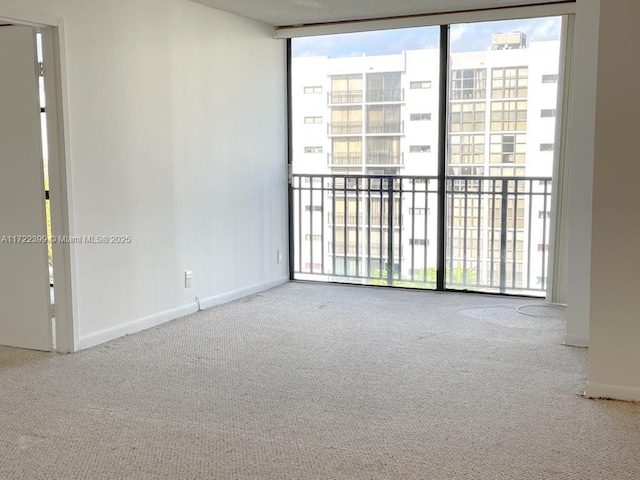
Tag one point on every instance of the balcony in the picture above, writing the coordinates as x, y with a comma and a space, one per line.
384, 230
375, 127
376, 95
344, 158
382, 158
385, 95
344, 128
341, 97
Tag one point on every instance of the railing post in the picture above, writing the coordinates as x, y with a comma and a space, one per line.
503, 236
390, 263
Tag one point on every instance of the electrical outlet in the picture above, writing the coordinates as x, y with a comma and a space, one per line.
279, 256
187, 279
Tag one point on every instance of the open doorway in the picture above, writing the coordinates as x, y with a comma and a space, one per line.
32, 192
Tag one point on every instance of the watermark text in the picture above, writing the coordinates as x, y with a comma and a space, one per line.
77, 239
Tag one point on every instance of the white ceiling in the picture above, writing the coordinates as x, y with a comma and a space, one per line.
295, 12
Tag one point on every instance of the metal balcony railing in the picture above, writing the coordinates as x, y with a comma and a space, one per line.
379, 95
344, 128
375, 95
377, 229
344, 158
383, 158
338, 97
385, 127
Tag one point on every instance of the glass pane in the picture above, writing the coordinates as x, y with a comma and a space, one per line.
365, 209
493, 228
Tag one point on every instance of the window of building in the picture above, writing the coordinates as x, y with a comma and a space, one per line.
509, 82
469, 83
420, 148
384, 87
312, 149
508, 148
546, 147
419, 85
543, 247
509, 116
464, 243
315, 238
312, 120
384, 119
314, 89
384, 150
517, 254
544, 214
418, 117
346, 120
514, 218
316, 208
494, 268
467, 117
550, 78
346, 89
548, 113
346, 151
466, 148
465, 211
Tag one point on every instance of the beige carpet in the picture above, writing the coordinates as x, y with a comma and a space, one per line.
320, 382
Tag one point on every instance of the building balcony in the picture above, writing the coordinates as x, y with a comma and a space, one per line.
342, 97
344, 159
374, 127
385, 95
344, 128
377, 158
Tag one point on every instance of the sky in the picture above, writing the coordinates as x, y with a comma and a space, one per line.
465, 37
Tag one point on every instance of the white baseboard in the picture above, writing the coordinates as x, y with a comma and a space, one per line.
151, 321
613, 392
135, 326
576, 340
241, 292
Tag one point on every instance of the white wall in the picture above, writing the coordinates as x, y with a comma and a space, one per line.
176, 117
615, 327
581, 135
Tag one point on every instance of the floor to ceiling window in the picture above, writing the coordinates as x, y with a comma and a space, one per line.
387, 190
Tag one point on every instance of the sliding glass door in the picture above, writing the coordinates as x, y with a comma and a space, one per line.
403, 174
501, 136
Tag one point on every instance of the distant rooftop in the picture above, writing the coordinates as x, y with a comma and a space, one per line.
509, 41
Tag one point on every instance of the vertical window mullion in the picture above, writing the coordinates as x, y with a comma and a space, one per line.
442, 154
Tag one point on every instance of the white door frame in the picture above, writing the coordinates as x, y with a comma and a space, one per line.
60, 184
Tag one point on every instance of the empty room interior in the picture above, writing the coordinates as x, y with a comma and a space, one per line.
290, 239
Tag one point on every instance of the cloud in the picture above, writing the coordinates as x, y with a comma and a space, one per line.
548, 29
457, 32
